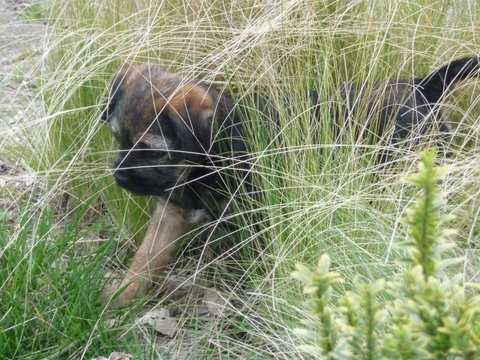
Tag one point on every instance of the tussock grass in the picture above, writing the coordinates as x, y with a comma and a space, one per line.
313, 193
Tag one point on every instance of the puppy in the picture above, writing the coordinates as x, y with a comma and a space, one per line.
180, 140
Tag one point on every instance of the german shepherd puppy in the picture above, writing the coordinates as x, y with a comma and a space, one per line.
179, 138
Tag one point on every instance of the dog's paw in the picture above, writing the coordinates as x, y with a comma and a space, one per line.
121, 294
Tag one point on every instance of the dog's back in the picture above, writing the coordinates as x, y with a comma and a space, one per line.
407, 108
420, 109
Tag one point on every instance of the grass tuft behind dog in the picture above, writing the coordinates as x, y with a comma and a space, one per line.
313, 195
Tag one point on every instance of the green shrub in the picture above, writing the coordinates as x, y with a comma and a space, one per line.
424, 312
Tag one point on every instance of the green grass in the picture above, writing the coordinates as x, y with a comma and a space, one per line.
49, 290
313, 195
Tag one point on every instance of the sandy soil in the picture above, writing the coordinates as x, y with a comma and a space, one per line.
21, 46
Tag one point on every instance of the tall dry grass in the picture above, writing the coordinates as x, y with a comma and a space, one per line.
313, 194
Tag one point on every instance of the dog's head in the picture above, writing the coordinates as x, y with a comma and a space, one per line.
165, 124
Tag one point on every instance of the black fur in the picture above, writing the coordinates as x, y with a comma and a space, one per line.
411, 107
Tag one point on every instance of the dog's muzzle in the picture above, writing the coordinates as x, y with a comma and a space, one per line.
121, 175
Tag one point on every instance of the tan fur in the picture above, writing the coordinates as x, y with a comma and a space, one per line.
169, 223
191, 100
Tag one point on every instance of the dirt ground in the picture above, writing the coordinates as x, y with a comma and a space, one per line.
21, 47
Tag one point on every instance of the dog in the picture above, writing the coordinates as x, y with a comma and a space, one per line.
180, 140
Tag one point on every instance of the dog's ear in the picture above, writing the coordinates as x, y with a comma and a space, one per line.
116, 90
192, 111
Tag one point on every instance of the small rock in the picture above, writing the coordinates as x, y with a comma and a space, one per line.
120, 356
216, 304
116, 356
161, 321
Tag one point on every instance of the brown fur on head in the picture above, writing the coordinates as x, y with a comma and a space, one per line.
171, 132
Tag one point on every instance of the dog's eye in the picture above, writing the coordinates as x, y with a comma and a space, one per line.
142, 146
147, 151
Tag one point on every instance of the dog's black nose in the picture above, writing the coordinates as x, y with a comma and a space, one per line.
121, 176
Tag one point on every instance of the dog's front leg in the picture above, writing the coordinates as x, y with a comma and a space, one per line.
169, 223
